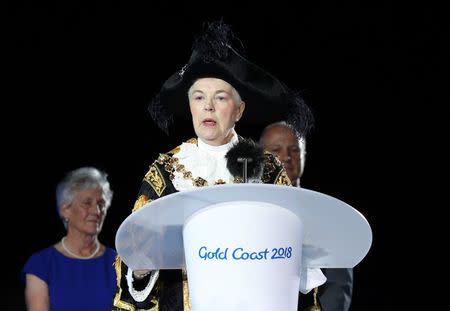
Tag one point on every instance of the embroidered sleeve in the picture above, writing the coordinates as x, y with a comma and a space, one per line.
274, 172
154, 292
156, 182
155, 179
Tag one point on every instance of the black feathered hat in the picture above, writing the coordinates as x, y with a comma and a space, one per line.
267, 99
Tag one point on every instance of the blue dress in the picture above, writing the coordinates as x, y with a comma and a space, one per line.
75, 284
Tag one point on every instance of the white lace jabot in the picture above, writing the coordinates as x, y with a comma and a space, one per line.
205, 161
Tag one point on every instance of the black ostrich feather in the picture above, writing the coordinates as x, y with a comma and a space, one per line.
299, 114
215, 42
160, 114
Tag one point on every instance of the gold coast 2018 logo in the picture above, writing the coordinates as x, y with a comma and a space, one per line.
239, 253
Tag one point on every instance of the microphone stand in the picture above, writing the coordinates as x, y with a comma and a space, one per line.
244, 167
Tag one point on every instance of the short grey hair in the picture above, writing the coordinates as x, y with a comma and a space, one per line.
279, 123
81, 179
234, 93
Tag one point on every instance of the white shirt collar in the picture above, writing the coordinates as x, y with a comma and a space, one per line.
205, 161
222, 149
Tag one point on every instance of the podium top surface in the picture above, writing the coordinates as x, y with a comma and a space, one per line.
336, 235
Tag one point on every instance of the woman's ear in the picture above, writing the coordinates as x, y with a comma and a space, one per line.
64, 210
241, 109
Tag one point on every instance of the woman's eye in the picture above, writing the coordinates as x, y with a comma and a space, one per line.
221, 97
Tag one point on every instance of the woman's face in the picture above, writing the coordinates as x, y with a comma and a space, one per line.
86, 212
214, 109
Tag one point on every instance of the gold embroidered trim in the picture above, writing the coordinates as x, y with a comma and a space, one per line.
316, 291
177, 148
155, 179
186, 300
270, 166
143, 199
282, 179
118, 267
316, 306
117, 301
192, 141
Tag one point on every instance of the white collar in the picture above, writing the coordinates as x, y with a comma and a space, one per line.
222, 149
205, 161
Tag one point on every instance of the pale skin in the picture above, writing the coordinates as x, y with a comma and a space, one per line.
85, 215
215, 110
282, 142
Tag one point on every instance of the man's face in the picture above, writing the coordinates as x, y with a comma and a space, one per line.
282, 142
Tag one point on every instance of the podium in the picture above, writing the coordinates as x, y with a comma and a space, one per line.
243, 245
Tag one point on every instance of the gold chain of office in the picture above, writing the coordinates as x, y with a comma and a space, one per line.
172, 165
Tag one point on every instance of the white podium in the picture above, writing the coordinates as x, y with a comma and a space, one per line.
243, 245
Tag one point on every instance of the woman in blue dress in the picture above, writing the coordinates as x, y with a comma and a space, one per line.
77, 273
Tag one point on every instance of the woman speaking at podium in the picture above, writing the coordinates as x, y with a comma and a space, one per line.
217, 89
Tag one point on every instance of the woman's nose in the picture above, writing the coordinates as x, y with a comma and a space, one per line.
209, 105
96, 209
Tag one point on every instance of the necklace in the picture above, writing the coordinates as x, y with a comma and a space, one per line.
78, 256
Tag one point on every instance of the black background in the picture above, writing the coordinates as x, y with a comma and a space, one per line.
79, 76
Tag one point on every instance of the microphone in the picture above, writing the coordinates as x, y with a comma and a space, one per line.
245, 160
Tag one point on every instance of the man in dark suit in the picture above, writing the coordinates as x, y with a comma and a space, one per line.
282, 140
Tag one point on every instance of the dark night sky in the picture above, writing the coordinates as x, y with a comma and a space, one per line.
80, 74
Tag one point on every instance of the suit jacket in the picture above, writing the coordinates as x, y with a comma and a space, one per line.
336, 293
